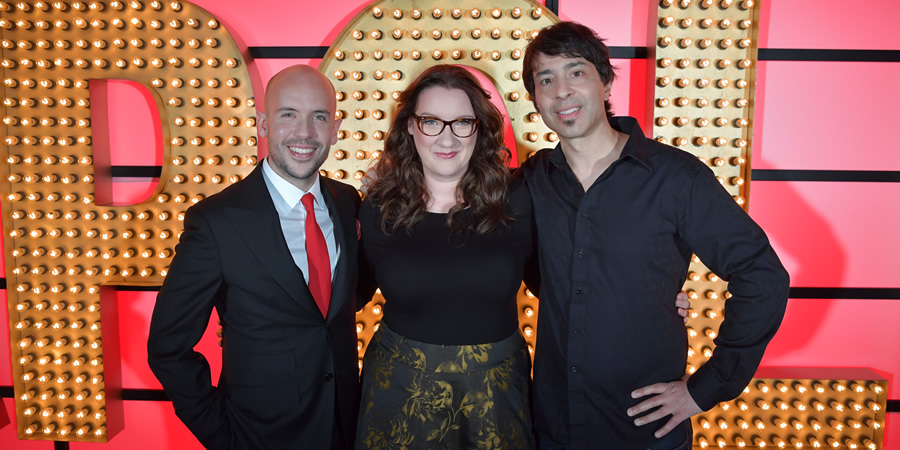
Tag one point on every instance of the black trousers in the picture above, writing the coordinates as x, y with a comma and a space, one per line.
681, 438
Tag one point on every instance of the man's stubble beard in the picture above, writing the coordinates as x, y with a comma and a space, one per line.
282, 161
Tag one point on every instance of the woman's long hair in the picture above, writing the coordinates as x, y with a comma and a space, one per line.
400, 191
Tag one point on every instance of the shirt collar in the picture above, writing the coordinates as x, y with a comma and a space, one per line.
289, 194
635, 148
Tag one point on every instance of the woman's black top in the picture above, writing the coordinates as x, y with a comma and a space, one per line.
451, 289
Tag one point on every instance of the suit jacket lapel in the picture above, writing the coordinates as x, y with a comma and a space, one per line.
257, 220
342, 215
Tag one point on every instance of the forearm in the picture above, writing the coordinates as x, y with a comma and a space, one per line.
753, 315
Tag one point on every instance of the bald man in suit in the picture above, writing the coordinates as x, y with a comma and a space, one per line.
289, 360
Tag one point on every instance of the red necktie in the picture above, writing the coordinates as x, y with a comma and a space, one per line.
317, 254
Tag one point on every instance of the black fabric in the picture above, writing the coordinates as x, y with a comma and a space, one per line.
612, 259
449, 289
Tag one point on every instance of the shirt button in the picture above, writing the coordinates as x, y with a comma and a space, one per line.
329, 376
581, 254
584, 215
574, 369
577, 330
578, 291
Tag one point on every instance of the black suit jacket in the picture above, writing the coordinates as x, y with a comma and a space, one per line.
282, 362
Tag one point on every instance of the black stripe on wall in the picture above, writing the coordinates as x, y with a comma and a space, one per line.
301, 52
834, 55
795, 292
287, 52
765, 54
845, 293
153, 395
136, 171
552, 5
628, 52
157, 395
125, 288
877, 176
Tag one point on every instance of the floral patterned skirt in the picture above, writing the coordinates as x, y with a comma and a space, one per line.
427, 396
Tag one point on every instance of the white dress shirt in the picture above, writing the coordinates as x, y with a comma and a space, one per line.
292, 215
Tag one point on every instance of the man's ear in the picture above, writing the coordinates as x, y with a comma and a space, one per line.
262, 124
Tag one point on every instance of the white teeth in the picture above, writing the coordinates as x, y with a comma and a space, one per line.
568, 111
302, 151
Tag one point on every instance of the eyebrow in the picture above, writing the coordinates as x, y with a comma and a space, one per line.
289, 109
565, 68
435, 116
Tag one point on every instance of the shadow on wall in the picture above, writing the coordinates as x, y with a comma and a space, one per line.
818, 238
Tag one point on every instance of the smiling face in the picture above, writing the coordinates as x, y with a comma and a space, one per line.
445, 157
570, 96
299, 124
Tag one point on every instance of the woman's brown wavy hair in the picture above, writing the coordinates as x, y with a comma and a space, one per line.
400, 193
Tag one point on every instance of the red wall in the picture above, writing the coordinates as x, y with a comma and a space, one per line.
809, 115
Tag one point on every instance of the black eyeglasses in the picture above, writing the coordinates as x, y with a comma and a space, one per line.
432, 126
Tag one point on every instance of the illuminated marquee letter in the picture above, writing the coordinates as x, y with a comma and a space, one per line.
704, 74
62, 247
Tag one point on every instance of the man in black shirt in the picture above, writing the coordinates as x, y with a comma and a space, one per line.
618, 217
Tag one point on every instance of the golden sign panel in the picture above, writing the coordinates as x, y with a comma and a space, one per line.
704, 74
62, 246
796, 408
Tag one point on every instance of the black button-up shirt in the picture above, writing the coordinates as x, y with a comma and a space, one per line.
612, 260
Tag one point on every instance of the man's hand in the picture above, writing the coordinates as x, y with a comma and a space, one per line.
683, 303
673, 399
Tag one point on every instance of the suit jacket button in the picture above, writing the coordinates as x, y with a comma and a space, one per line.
328, 376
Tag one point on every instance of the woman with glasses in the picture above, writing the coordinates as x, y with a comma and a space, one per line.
447, 239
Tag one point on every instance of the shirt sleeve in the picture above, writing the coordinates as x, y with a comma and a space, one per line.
735, 248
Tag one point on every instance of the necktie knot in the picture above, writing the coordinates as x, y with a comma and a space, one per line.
308, 200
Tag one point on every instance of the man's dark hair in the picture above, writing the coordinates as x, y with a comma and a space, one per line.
572, 40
